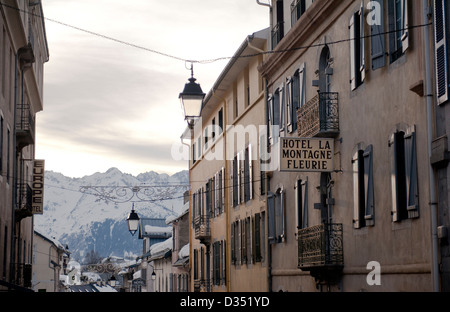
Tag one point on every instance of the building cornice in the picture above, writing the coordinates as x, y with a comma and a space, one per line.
313, 21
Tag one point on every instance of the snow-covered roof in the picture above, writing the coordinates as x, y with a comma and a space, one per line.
184, 211
160, 250
184, 251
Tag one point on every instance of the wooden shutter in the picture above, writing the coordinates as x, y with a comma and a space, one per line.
353, 45
250, 171
405, 25
362, 51
356, 190
378, 41
368, 185
441, 50
233, 246
270, 119
289, 104
393, 159
412, 195
271, 216
304, 189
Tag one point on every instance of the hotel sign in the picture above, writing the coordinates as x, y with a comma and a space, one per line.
306, 155
38, 186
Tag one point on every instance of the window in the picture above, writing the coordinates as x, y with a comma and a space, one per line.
213, 134
219, 192
220, 121
276, 115
248, 173
377, 35
357, 50
295, 97
405, 197
276, 209
194, 153
398, 28
363, 188
298, 7
441, 50
301, 200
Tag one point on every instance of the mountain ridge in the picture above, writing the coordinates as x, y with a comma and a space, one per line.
89, 213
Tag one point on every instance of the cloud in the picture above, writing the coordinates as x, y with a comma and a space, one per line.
109, 102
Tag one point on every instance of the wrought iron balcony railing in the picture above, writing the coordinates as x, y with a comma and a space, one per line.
277, 34
320, 246
24, 201
25, 125
202, 228
319, 117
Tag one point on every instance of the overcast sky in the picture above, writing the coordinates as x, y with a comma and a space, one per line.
108, 104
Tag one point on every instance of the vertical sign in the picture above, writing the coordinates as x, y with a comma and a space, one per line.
38, 186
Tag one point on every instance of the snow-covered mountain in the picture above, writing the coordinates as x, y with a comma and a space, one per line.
90, 213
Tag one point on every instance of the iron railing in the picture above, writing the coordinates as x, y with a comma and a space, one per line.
202, 228
25, 125
319, 117
320, 246
277, 34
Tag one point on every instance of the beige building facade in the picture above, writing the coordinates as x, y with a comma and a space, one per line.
353, 72
23, 52
227, 203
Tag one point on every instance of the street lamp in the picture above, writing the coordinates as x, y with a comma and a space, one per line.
133, 221
192, 99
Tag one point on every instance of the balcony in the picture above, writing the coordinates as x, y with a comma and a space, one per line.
319, 117
277, 34
25, 126
320, 251
202, 228
24, 206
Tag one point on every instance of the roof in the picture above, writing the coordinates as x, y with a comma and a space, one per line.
252, 44
154, 228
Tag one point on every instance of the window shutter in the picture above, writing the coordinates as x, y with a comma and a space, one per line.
304, 187
405, 25
368, 185
378, 41
282, 109
353, 39
233, 247
257, 236
289, 108
302, 80
356, 190
362, 53
270, 121
411, 173
440, 41
250, 171
393, 157
234, 189
271, 216
298, 203
240, 198
222, 190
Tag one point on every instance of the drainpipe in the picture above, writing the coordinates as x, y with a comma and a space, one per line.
12, 276
433, 200
264, 4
